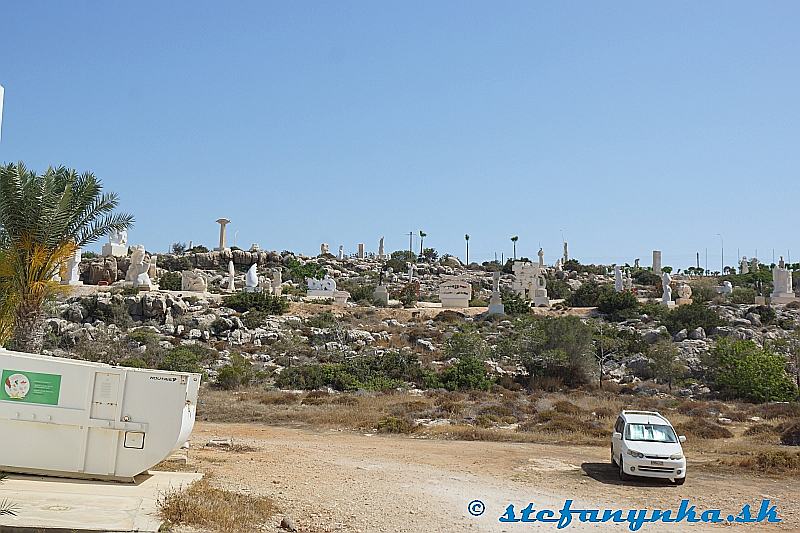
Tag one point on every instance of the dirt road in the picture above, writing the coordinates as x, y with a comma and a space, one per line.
338, 481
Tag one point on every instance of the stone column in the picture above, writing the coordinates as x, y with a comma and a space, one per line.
361, 250
657, 262
223, 222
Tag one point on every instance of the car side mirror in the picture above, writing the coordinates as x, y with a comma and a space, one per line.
616, 435
682, 438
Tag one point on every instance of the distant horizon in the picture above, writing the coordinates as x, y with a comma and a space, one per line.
620, 128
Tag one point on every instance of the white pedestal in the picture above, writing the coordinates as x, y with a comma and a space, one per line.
684, 301
381, 295
783, 298
115, 250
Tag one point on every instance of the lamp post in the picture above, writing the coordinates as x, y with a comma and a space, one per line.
722, 253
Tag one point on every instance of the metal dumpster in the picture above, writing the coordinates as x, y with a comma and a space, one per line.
69, 418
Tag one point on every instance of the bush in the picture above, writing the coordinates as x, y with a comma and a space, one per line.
254, 319
237, 373
791, 435
692, 316
514, 304
573, 265
395, 424
618, 305
397, 261
170, 281
409, 294
298, 272
588, 294
767, 314
188, 358
256, 301
700, 428
772, 462
369, 372
175, 263
469, 373
742, 369
646, 277
743, 295
557, 289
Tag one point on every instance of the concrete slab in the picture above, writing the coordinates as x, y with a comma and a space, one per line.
54, 504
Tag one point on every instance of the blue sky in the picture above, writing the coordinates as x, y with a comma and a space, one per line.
629, 126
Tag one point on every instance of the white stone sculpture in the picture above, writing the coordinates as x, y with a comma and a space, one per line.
496, 301
138, 269
341, 253
71, 274
277, 282
754, 264
726, 288
559, 266
782, 289
619, 286
628, 282
744, 267
666, 299
251, 279
381, 252
193, 281
223, 223
566, 252
455, 292
636, 263
530, 283
231, 277
324, 249
117, 245
540, 253
684, 294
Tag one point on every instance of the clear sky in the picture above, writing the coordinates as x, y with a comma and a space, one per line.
629, 126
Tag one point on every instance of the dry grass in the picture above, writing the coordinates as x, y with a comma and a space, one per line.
770, 463
203, 505
579, 417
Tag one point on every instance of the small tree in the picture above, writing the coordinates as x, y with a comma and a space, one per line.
466, 238
664, 362
422, 236
514, 240
178, 248
742, 369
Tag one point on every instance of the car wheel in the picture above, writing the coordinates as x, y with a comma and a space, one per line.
613, 459
680, 480
622, 475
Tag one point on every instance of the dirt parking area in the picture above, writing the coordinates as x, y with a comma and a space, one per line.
329, 480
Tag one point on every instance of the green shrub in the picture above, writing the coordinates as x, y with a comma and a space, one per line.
469, 373
254, 319
618, 305
397, 261
409, 294
369, 372
557, 289
514, 304
573, 265
646, 277
692, 316
742, 369
298, 272
170, 281
588, 294
175, 263
743, 295
767, 314
188, 358
143, 336
256, 301
239, 372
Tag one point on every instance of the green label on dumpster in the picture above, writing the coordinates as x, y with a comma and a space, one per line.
30, 387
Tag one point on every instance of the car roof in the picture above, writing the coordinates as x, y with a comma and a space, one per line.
644, 417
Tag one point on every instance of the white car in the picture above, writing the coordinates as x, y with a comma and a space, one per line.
644, 443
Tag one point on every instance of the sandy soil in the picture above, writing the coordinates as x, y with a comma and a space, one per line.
342, 481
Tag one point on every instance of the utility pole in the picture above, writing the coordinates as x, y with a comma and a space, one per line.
722, 254
411, 241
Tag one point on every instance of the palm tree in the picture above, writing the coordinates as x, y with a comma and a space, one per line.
466, 238
514, 240
422, 236
44, 219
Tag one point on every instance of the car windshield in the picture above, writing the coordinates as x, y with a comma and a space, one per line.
650, 433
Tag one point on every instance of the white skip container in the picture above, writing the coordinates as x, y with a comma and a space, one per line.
69, 418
